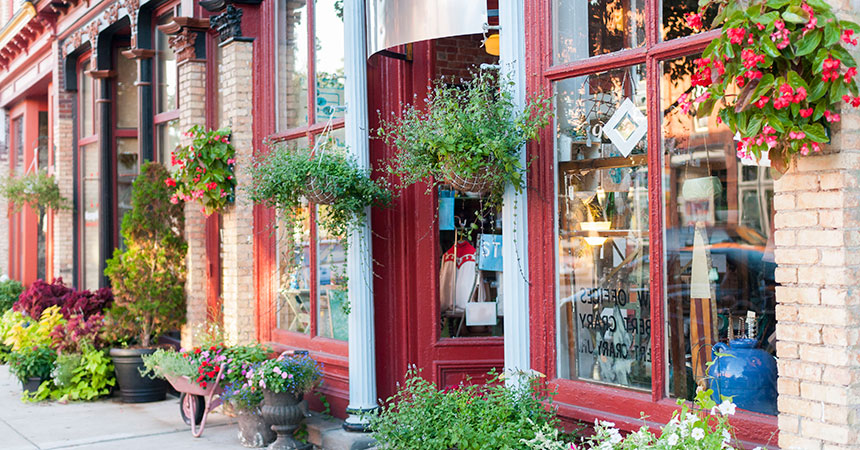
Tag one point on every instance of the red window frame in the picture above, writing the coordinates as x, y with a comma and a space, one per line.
161, 118
310, 341
83, 141
579, 399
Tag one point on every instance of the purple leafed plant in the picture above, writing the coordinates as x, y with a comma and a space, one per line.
40, 296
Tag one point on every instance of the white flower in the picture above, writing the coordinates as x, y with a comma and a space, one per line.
698, 434
758, 448
691, 418
728, 437
727, 408
672, 440
615, 436
607, 424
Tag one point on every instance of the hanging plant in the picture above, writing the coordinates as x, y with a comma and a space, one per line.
284, 178
205, 173
468, 136
777, 74
36, 189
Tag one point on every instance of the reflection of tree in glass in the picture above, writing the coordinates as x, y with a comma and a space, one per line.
674, 27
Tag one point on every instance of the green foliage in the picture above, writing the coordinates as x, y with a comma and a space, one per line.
205, 172
84, 376
469, 417
10, 290
22, 332
468, 130
777, 74
240, 358
37, 189
148, 276
283, 177
32, 362
168, 362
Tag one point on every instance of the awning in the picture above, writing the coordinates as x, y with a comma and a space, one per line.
396, 22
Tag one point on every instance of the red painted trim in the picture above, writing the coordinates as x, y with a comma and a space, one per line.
306, 131
312, 74
49, 238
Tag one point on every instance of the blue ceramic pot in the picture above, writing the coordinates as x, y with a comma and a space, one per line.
746, 374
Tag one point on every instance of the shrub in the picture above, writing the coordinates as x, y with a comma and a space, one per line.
77, 333
26, 332
469, 417
86, 303
148, 276
10, 290
41, 295
32, 362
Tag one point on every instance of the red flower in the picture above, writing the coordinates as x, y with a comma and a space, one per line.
170, 182
694, 20
850, 73
846, 37
211, 185
832, 117
736, 35
762, 102
805, 112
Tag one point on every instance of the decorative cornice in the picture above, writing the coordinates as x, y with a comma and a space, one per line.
183, 32
139, 53
219, 5
228, 24
100, 74
17, 23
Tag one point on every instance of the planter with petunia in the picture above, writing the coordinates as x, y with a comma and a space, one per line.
777, 75
204, 170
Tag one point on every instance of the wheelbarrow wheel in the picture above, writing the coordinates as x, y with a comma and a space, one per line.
190, 403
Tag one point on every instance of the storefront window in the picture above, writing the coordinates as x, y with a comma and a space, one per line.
328, 57
293, 312
85, 99
165, 69
292, 57
589, 28
604, 311
719, 252
91, 223
333, 304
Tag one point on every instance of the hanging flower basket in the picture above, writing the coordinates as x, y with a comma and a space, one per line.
320, 192
205, 171
481, 182
777, 75
36, 189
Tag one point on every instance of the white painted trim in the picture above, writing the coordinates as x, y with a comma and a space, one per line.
515, 288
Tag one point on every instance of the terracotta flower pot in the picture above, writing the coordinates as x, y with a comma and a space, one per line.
254, 431
282, 410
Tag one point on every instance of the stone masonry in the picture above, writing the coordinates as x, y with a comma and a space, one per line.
817, 236
192, 91
235, 87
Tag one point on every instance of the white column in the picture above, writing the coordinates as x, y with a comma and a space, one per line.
515, 288
362, 357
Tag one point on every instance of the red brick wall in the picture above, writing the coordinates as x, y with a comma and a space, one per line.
455, 56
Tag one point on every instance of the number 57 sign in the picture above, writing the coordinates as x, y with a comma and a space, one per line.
490, 252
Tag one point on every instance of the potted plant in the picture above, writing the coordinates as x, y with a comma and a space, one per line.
37, 189
284, 177
148, 279
777, 74
468, 136
246, 401
205, 170
284, 381
32, 366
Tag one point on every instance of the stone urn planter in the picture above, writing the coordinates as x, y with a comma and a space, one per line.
254, 431
282, 410
133, 387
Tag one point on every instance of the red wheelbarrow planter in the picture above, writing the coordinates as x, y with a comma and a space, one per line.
195, 402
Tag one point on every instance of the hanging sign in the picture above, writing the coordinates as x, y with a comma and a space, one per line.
490, 252
626, 127
446, 210
395, 22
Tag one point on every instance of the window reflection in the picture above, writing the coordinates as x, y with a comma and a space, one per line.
604, 324
292, 57
328, 37
165, 65
585, 28
719, 257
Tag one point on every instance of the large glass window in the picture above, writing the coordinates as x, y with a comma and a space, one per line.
604, 303
710, 291
312, 297
166, 93
89, 172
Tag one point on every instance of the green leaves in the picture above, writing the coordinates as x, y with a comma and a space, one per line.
208, 159
35, 189
815, 132
808, 43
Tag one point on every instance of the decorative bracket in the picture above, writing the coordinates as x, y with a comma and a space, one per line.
183, 32
228, 24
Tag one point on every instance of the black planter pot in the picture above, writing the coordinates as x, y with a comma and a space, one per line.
282, 410
254, 431
32, 384
133, 387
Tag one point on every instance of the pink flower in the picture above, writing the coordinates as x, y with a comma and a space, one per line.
284, 375
174, 199
832, 117
231, 161
736, 35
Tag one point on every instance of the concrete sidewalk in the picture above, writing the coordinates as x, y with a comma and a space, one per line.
104, 424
